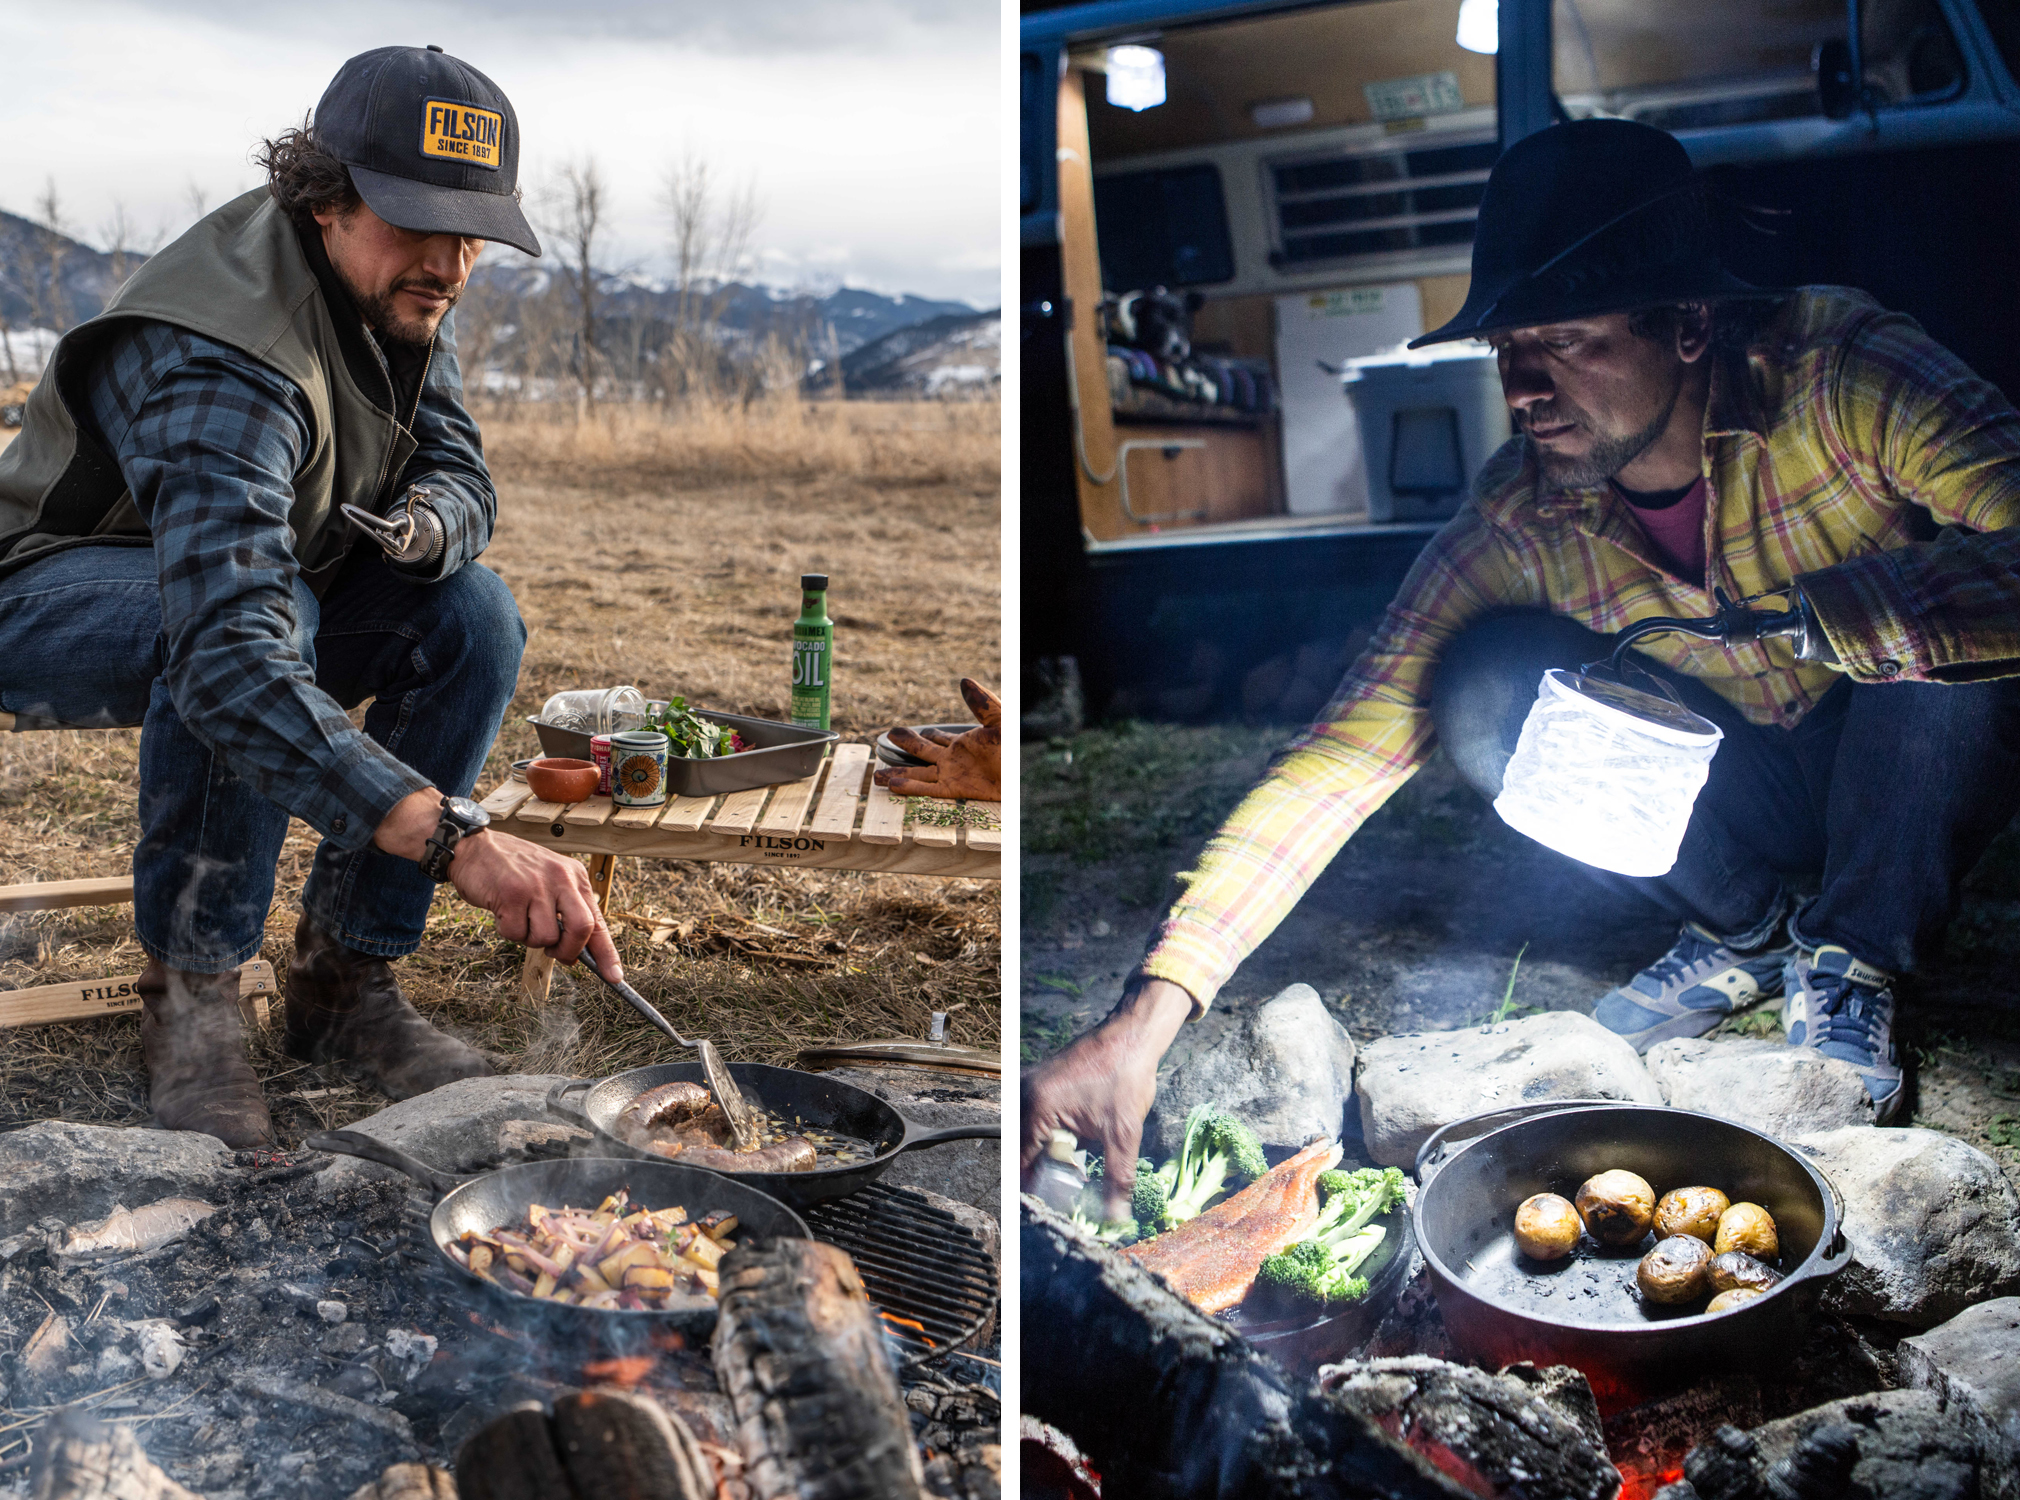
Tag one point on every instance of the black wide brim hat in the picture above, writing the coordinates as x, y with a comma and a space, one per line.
1587, 218
432, 144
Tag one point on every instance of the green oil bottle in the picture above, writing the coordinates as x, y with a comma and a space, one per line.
813, 654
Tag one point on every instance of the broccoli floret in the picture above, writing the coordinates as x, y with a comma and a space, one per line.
1224, 1135
1349, 1200
1321, 1275
1217, 1146
1150, 1200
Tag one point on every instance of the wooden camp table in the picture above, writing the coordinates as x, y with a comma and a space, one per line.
836, 819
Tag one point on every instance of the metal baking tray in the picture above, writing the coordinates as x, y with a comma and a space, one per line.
779, 753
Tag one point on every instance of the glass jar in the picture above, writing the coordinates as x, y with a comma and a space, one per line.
595, 710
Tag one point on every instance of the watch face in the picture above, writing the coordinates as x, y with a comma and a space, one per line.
462, 810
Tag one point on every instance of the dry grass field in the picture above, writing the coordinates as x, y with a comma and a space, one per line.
665, 553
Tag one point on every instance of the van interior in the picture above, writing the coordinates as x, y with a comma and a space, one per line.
1311, 180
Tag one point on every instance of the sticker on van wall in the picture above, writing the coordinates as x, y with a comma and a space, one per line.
1350, 302
1413, 98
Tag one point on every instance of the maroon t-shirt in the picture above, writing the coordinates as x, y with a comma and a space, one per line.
1673, 520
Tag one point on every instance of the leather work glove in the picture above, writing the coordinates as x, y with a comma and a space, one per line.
410, 534
967, 765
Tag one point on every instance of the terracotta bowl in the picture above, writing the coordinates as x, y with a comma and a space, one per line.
554, 779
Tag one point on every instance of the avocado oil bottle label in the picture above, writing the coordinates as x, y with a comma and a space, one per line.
813, 654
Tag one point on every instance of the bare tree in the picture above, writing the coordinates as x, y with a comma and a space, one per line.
712, 224
125, 243
574, 216
54, 307
197, 197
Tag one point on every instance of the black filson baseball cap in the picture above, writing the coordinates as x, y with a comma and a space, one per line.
432, 144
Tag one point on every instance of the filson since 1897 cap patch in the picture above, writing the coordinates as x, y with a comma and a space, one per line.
432, 144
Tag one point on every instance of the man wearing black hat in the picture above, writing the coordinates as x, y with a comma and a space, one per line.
1679, 433
247, 499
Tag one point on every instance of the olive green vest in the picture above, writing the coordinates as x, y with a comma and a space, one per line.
238, 276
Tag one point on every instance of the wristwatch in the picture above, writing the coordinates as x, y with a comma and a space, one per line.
460, 818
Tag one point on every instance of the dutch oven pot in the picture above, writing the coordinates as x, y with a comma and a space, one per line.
1500, 1307
815, 1100
499, 1200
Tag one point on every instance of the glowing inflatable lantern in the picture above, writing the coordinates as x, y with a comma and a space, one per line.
1606, 774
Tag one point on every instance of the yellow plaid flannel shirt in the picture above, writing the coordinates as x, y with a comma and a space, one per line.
1849, 451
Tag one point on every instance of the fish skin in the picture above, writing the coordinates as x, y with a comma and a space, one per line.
1212, 1260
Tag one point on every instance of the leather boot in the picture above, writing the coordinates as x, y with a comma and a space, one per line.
344, 1006
198, 1077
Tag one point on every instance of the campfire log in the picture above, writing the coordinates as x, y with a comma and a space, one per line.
409, 1482
598, 1445
1166, 1401
85, 1459
801, 1357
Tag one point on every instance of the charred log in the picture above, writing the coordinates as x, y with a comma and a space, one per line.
1166, 1401
801, 1358
85, 1459
597, 1445
1496, 1433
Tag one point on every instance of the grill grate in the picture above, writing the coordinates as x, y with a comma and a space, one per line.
917, 1262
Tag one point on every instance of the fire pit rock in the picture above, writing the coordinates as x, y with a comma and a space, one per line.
1287, 1070
1506, 1428
1933, 1223
1411, 1085
455, 1127
1892, 1445
1770, 1086
79, 1172
1973, 1363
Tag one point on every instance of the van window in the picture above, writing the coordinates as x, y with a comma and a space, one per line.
1693, 64
1163, 228
1336, 207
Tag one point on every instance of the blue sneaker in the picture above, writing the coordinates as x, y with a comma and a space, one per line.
1845, 1009
1693, 987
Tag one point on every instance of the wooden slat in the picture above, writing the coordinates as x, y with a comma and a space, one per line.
636, 817
789, 807
537, 811
933, 835
685, 814
986, 840
82, 999
593, 813
835, 818
506, 799
739, 811
47, 895
883, 816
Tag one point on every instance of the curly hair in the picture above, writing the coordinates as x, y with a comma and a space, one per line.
304, 177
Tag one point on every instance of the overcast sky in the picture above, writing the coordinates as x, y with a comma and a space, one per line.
869, 127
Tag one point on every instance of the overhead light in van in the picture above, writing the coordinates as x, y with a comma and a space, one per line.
1480, 25
1274, 114
1135, 77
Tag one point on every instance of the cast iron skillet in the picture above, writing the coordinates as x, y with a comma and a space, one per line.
820, 1102
499, 1199
1501, 1307
1301, 1343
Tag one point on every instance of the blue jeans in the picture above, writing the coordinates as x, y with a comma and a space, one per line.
80, 644
1891, 791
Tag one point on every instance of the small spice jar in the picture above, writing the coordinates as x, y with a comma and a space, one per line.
638, 768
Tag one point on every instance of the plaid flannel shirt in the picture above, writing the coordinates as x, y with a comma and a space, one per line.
209, 440
1849, 452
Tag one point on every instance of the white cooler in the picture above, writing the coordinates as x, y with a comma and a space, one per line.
1428, 422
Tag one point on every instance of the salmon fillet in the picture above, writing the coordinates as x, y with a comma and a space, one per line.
1212, 1260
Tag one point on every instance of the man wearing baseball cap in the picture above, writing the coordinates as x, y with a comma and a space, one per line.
246, 499
1679, 432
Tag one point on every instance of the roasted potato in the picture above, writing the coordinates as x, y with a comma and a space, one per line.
1675, 1270
1547, 1226
1726, 1301
1691, 1210
1735, 1269
1617, 1207
1748, 1227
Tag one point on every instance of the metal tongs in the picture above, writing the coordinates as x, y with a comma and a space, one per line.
743, 1126
394, 536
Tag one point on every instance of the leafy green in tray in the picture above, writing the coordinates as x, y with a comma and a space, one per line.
690, 736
